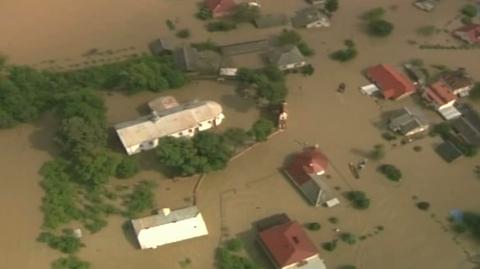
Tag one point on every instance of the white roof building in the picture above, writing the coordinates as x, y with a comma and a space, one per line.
169, 227
168, 118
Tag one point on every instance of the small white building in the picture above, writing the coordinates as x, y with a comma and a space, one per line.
168, 118
169, 227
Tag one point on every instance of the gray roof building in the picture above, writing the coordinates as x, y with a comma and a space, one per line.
160, 46
310, 18
408, 122
271, 20
189, 59
448, 151
468, 125
286, 58
245, 47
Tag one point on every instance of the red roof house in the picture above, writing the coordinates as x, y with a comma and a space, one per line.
221, 8
393, 84
305, 170
469, 33
289, 247
440, 94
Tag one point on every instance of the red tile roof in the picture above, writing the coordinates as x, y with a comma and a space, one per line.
220, 7
391, 82
288, 243
440, 93
310, 161
471, 31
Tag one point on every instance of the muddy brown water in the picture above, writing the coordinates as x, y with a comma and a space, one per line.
56, 33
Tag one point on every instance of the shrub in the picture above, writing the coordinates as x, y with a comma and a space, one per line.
389, 136
204, 13
305, 49
330, 246
126, 168
469, 10
236, 137
206, 45
170, 25
373, 14
313, 226
459, 228
380, 28
348, 238
221, 26
307, 70
427, 30
423, 205
66, 243
331, 5
391, 172
466, 20
262, 128
245, 13
378, 152
349, 43
358, 199
234, 244
475, 92
184, 33
344, 55
71, 262
417, 148
288, 37
333, 220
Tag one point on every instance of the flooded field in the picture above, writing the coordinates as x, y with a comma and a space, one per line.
55, 34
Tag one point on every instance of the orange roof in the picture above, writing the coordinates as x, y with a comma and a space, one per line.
391, 82
440, 93
288, 243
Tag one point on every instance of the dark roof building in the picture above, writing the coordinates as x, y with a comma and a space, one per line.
288, 246
160, 47
468, 125
393, 84
189, 59
305, 172
448, 151
286, 58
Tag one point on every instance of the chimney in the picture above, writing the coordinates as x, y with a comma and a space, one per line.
166, 211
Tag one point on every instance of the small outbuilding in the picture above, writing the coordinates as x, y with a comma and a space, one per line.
408, 122
286, 58
169, 227
161, 47
310, 17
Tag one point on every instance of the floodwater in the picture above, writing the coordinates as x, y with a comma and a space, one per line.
56, 33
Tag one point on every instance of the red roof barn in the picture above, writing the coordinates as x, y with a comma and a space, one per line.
221, 8
305, 172
393, 84
469, 33
440, 94
288, 245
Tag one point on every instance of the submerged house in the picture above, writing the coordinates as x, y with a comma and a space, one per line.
468, 33
286, 58
441, 98
168, 118
391, 82
161, 47
221, 8
459, 81
310, 17
190, 60
408, 122
305, 172
169, 227
289, 247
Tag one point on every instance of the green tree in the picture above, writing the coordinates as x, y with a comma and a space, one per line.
344, 55
236, 137
245, 13
221, 26
391, 172
93, 169
469, 10
127, 168
183, 33
213, 148
140, 199
76, 135
66, 243
380, 28
358, 199
305, 49
234, 244
262, 128
348, 238
373, 14
331, 5
71, 262
474, 93
180, 156
288, 37
472, 221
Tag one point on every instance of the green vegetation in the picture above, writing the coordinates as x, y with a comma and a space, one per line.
183, 33
184, 157
380, 28
348, 238
66, 243
469, 10
333, 220
245, 13
305, 49
475, 92
236, 137
471, 221
389, 136
140, 199
269, 83
330, 245
170, 25
358, 199
331, 5
423, 205
347, 54
221, 26
307, 70
262, 128
427, 30
71, 262
391, 172
203, 13
288, 37
234, 245
229, 260
126, 168
378, 152
313, 226
373, 14
207, 45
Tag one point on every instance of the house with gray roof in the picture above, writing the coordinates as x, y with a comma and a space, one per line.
161, 47
286, 58
189, 59
310, 17
408, 122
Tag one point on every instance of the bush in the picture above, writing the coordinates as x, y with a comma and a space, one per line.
227, 260
126, 168
288, 37
261, 129
71, 262
236, 137
330, 246
305, 49
466, 20
373, 14
184, 33
221, 26
469, 10
307, 70
344, 55
234, 245
358, 199
427, 30
313, 226
331, 5
66, 243
417, 148
207, 45
348, 238
391, 172
378, 152
170, 25
423, 205
389, 136
379, 28
349, 43
475, 92
459, 228
204, 13
140, 199
245, 13
333, 220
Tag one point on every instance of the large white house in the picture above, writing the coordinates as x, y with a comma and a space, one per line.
169, 227
168, 118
